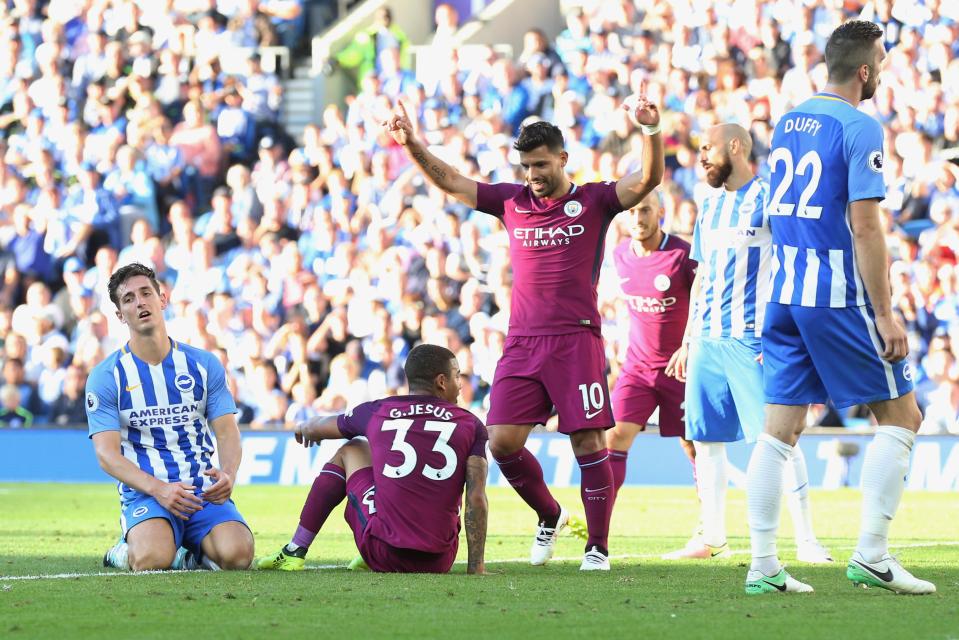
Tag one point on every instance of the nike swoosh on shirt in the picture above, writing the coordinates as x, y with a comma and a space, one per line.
589, 416
518, 210
129, 388
885, 576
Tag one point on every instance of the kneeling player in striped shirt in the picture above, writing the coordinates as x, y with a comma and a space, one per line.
150, 409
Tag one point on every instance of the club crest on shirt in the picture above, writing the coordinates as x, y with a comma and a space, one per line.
875, 161
184, 382
747, 208
662, 282
93, 402
572, 208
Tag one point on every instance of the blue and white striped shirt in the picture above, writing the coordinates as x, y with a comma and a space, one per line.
733, 246
825, 154
162, 411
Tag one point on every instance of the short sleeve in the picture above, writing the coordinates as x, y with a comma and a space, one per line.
355, 421
103, 414
479, 439
863, 146
219, 400
607, 198
491, 198
689, 269
695, 249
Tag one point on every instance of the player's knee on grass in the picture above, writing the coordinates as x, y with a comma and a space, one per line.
150, 545
230, 546
151, 558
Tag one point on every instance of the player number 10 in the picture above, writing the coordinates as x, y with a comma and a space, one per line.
592, 396
810, 160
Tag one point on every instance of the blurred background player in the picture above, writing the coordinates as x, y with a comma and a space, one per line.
554, 354
831, 331
404, 481
732, 245
655, 274
150, 407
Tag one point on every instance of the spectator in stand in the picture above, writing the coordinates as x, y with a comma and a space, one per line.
13, 415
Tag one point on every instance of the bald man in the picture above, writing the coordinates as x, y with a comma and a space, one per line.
720, 358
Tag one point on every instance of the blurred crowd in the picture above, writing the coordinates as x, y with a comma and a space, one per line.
312, 267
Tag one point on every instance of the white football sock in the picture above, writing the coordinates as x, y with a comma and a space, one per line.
711, 477
764, 486
796, 488
884, 472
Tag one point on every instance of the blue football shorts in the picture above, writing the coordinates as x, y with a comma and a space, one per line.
186, 533
814, 353
724, 381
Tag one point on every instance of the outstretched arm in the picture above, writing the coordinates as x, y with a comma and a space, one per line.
317, 429
634, 187
400, 128
477, 509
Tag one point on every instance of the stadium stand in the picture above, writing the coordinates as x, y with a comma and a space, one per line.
150, 131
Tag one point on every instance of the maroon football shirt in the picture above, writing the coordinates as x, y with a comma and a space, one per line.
656, 289
419, 446
556, 250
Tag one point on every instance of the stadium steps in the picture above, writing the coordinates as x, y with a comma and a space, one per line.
298, 101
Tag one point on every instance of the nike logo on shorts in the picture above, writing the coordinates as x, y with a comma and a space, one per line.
590, 416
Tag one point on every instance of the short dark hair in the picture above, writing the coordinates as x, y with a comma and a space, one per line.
849, 47
425, 362
126, 272
538, 134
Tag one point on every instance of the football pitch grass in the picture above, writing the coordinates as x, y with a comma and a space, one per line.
61, 531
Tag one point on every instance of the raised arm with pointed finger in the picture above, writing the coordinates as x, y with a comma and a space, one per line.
400, 128
633, 188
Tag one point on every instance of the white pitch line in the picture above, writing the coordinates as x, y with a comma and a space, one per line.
326, 567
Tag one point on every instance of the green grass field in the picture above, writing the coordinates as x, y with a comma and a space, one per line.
64, 529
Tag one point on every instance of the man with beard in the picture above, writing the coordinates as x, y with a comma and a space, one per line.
830, 329
733, 245
655, 274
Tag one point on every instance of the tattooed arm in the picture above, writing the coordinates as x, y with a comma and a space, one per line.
400, 128
477, 510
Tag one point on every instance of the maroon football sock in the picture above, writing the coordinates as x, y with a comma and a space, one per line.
597, 492
328, 490
617, 463
524, 474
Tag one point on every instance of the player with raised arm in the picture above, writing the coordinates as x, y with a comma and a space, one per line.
150, 408
554, 355
830, 331
733, 246
404, 482
655, 274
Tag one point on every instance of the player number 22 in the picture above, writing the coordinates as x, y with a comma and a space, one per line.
444, 431
809, 161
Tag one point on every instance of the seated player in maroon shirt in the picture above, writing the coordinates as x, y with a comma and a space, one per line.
655, 274
554, 355
404, 482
